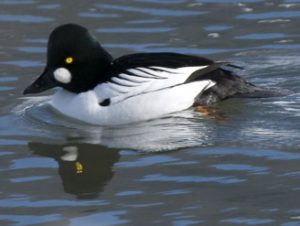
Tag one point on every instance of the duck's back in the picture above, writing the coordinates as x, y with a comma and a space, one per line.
227, 83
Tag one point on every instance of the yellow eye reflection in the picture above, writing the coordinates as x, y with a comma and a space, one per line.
79, 167
69, 60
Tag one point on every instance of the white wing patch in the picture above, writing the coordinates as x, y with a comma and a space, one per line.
143, 80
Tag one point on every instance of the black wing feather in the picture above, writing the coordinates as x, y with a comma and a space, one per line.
168, 60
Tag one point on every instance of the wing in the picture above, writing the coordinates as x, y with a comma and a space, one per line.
138, 74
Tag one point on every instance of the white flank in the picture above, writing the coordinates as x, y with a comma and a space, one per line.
62, 75
85, 106
135, 95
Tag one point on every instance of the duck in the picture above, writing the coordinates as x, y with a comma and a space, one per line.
95, 88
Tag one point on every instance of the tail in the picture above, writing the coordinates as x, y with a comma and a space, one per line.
230, 85
264, 92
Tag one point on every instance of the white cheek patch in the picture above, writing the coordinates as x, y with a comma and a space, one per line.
63, 75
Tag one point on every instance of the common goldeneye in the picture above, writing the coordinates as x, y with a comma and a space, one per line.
100, 90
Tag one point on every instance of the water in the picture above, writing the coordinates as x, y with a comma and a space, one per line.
238, 166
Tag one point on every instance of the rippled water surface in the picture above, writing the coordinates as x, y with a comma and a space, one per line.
237, 166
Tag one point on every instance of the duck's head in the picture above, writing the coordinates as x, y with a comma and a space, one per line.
75, 61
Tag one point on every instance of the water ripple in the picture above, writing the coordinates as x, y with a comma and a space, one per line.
176, 192
33, 163
37, 40
162, 1
280, 46
262, 36
50, 6
247, 221
99, 15
191, 179
24, 202
107, 218
23, 63
147, 161
17, 2
24, 220
152, 11
135, 30
150, 21
8, 79
217, 27
24, 18
241, 167
129, 193
31, 49
269, 15
269, 154
229, 1
29, 179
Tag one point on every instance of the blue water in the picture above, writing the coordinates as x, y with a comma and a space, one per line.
238, 166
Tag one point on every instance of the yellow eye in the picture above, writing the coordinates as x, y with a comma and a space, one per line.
69, 60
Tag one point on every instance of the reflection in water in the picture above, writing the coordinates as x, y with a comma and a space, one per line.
179, 130
84, 168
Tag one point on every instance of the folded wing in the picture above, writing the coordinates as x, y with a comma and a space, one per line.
134, 75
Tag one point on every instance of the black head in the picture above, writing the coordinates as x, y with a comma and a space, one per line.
75, 61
